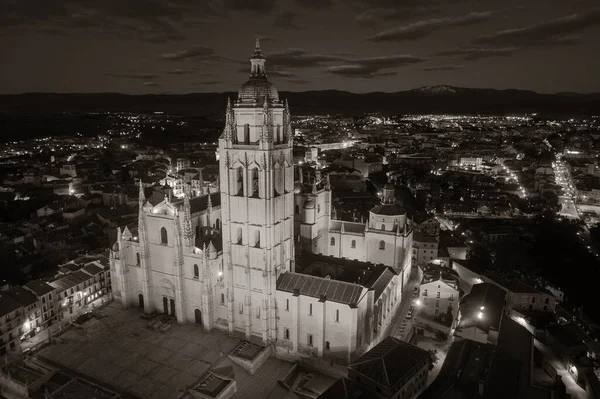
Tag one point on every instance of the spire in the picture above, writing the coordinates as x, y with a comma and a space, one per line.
228, 131
142, 197
288, 123
257, 47
257, 61
187, 220
333, 213
209, 206
266, 128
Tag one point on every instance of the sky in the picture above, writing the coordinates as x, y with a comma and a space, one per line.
186, 46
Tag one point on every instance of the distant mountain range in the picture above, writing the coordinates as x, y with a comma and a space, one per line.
428, 99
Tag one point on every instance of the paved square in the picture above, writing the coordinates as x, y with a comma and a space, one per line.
122, 351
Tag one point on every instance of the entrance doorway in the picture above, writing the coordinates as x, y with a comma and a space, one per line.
165, 305
198, 316
173, 307
141, 301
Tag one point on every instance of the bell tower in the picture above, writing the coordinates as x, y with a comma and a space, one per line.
257, 202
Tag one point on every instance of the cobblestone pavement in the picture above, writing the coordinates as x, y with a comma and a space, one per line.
121, 350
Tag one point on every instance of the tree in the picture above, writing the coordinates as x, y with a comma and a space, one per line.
433, 358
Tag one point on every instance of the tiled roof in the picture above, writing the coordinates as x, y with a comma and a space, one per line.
390, 361
39, 287
488, 296
199, 204
333, 290
22, 295
8, 304
92, 269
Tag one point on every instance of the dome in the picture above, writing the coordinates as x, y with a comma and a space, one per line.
255, 90
388, 210
309, 204
299, 188
115, 246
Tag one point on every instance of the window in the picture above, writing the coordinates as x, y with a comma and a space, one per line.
239, 236
332, 241
532, 299
327, 346
246, 133
287, 305
437, 303
438, 294
309, 340
382, 245
196, 271
337, 315
257, 238
424, 292
286, 333
353, 244
310, 309
297, 209
383, 227
163, 236
222, 299
318, 208
137, 259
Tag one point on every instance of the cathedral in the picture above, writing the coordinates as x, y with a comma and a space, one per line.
227, 259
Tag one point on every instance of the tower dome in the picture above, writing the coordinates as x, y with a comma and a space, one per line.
258, 87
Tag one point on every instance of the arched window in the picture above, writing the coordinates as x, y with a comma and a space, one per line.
337, 315
332, 240
287, 305
310, 309
257, 238
327, 346
197, 231
353, 244
137, 256
254, 188
383, 227
247, 133
163, 236
196, 272
381, 244
240, 181
218, 224
239, 236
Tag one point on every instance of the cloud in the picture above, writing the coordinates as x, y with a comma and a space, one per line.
280, 74
424, 28
443, 68
373, 15
207, 83
478, 53
374, 66
556, 32
196, 52
253, 6
315, 4
139, 76
298, 81
298, 58
285, 19
179, 71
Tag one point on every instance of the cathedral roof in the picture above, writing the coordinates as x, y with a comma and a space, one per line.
213, 238
200, 204
256, 89
388, 210
320, 287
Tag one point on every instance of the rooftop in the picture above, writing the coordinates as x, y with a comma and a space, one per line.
319, 287
487, 299
390, 361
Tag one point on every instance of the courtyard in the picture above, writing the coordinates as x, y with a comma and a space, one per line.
121, 350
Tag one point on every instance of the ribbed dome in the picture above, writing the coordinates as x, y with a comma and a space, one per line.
255, 90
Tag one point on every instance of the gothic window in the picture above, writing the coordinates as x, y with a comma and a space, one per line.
218, 224
383, 227
332, 241
247, 133
137, 256
257, 238
254, 187
163, 236
287, 305
309, 340
240, 181
196, 271
353, 244
337, 315
197, 231
286, 333
239, 236
382, 245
